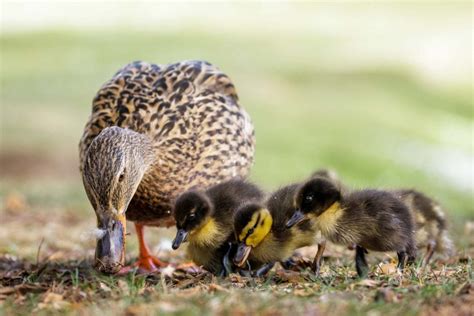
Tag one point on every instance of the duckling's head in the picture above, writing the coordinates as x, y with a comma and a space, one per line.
252, 223
113, 167
191, 212
326, 173
313, 198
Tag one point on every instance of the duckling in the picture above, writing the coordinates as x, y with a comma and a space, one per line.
429, 216
430, 223
204, 218
372, 219
261, 233
154, 132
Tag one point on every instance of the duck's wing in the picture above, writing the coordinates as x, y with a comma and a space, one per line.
150, 98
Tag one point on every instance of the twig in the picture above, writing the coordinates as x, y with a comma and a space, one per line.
39, 251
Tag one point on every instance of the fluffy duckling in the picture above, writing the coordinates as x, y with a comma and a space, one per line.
428, 215
261, 232
205, 220
372, 219
430, 223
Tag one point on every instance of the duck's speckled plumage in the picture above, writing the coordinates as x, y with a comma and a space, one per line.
190, 113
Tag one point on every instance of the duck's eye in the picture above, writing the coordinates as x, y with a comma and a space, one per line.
122, 176
250, 232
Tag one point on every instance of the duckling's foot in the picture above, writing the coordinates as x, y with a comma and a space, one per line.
264, 269
227, 267
401, 260
318, 259
289, 263
361, 264
429, 253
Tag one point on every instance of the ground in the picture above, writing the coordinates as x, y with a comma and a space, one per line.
384, 97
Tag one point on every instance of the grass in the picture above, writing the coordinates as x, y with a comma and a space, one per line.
315, 102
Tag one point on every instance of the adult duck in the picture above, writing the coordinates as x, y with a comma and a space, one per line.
154, 132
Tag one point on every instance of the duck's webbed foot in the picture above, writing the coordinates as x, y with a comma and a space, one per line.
146, 262
361, 264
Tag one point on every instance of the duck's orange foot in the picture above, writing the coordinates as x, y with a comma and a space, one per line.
145, 265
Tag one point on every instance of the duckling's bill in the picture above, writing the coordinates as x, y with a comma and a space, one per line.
243, 252
181, 236
295, 219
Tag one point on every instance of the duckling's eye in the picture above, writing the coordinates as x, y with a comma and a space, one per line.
250, 232
309, 198
191, 216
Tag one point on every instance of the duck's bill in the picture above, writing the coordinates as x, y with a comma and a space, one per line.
110, 250
243, 252
297, 218
181, 237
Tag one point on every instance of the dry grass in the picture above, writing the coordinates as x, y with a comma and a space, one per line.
46, 267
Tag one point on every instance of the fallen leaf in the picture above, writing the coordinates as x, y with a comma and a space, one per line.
368, 283
217, 288
104, 287
387, 268
7, 290
289, 276
51, 297
167, 271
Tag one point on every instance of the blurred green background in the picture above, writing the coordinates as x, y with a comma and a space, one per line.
380, 93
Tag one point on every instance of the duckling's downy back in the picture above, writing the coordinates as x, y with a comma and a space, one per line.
430, 220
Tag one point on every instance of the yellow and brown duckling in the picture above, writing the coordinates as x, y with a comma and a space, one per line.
428, 215
205, 220
261, 231
371, 219
154, 132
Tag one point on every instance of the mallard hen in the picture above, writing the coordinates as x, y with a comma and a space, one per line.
155, 132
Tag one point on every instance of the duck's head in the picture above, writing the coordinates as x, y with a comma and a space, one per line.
191, 212
252, 223
313, 198
113, 168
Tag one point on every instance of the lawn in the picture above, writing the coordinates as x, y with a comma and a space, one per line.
352, 99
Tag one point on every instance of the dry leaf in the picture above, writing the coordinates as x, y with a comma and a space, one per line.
168, 271
368, 283
7, 290
302, 292
104, 287
53, 300
387, 268
217, 288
